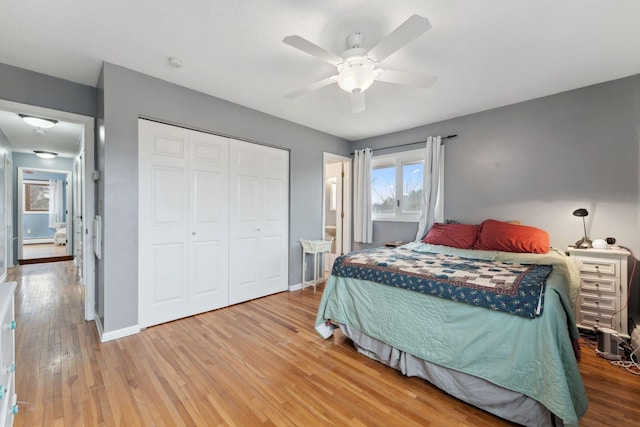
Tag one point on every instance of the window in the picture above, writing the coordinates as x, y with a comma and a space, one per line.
396, 186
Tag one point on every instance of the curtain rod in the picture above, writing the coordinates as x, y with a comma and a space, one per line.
411, 143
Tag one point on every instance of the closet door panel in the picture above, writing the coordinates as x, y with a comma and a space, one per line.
167, 196
276, 220
275, 258
209, 222
169, 269
259, 215
183, 222
245, 268
163, 254
205, 261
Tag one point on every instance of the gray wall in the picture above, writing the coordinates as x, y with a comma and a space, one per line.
538, 161
29, 87
123, 96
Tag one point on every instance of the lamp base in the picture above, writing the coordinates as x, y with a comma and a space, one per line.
583, 243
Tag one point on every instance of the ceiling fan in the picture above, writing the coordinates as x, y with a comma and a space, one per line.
358, 68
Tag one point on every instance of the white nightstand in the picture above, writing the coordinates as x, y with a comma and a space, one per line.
313, 247
602, 300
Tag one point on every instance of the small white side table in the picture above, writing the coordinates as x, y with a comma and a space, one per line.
313, 247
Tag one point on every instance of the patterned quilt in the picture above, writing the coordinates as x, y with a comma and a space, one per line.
509, 287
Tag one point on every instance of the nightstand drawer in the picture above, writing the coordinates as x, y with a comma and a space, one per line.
594, 284
598, 303
599, 319
598, 266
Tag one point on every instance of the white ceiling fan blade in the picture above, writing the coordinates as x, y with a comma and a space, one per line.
405, 78
313, 49
357, 102
408, 31
313, 86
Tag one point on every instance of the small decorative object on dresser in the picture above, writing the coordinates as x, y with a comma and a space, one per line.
602, 301
8, 398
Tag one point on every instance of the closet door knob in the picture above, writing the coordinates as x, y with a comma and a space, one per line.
12, 325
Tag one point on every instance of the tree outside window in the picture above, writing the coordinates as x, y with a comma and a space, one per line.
393, 175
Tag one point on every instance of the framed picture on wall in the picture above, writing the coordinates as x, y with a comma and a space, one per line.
36, 197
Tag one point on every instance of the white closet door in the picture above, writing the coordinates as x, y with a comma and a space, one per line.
209, 222
259, 218
183, 222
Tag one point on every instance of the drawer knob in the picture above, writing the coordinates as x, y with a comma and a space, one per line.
12, 367
12, 325
2, 391
14, 410
597, 302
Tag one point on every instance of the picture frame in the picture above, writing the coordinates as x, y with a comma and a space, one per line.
36, 197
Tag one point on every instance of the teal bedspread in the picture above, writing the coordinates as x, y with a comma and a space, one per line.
532, 356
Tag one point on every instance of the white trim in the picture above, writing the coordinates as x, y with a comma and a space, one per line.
120, 333
37, 241
296, 287
99, 327
21, 181
346, 194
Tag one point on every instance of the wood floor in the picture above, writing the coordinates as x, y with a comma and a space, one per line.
43, 250
255, 364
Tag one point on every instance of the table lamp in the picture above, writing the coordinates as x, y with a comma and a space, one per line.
583, 243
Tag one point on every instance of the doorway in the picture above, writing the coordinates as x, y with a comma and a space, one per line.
84, 181
44, 215
336, 223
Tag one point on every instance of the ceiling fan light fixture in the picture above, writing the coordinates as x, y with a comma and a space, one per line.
38, 122
356, 79
45, 154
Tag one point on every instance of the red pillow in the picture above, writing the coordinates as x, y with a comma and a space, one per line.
461, 236
502, 236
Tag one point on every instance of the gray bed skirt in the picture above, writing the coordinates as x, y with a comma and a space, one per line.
507, 404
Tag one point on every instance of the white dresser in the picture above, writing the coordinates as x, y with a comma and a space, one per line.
8, 405
602, 300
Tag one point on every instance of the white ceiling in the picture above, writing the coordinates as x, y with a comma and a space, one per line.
486, 53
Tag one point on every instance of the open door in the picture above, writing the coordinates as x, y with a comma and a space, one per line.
337, 206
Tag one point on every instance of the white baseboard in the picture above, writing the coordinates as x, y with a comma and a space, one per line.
296, 287
37, 241
120, 333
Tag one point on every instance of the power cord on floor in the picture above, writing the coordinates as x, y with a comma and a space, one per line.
631, 365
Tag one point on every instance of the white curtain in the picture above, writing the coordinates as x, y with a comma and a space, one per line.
432, 186
363, 226
56, 202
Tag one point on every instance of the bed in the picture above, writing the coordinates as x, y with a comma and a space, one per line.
519, 363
